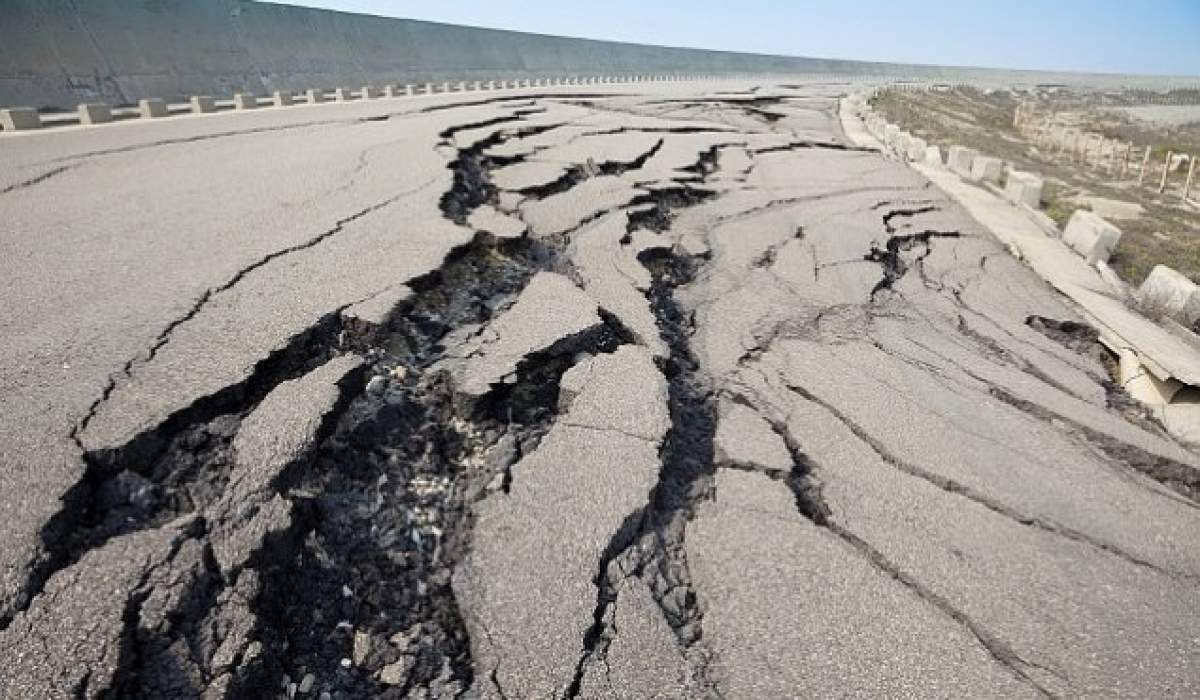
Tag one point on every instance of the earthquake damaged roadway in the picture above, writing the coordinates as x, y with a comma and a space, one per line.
658, 391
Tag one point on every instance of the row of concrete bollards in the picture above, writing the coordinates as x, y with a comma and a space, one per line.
1165, 290
23, 118
1087, 233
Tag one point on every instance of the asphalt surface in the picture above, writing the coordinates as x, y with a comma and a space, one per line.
649, 391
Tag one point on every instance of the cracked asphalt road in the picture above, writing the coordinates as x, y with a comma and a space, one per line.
656, 391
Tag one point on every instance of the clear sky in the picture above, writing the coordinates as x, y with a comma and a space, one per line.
1117, 36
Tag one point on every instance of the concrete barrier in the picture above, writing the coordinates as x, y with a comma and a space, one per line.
1168, 291
94, 113
960, 159
1024, 188
1091, 236
343, 94
916, 149
933, 156
152, 108
282, 98
19, 119
202, 104
244, 101
987, 169
314, 97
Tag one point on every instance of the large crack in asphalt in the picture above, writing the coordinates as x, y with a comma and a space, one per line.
171, 469
395, 485
806, 490
1177, 476
472, 166
383, 498
380, 511
38, 179
893, 262
655, 210
578, 173
650, 543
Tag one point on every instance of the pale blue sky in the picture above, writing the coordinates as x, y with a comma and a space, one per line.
1122, 36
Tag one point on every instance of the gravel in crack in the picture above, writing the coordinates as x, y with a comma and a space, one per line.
527, 587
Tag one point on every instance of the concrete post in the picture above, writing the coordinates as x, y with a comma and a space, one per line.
1024, 188
479, 86
282, 98
203, 104
245, 100
960, 159
315, 97
368, 92
1187, 186
1145, 166
152, 108
94, 113
428, 88
491, 85
1167, 289
1162, 184
1091, 236
409, 90
986, 168
391, 90
446, 87
343, 94
20, 119
462, 86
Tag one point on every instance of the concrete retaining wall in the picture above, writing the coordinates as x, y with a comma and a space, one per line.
60, 53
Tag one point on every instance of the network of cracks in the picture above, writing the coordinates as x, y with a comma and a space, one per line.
346, 588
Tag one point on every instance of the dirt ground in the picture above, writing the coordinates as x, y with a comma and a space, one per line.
1157, 228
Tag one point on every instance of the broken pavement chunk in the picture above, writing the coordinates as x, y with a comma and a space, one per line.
71, 641
278, 433
527, 590
549, 311
745, 438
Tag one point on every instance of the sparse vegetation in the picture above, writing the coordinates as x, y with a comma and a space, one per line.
1057, 206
